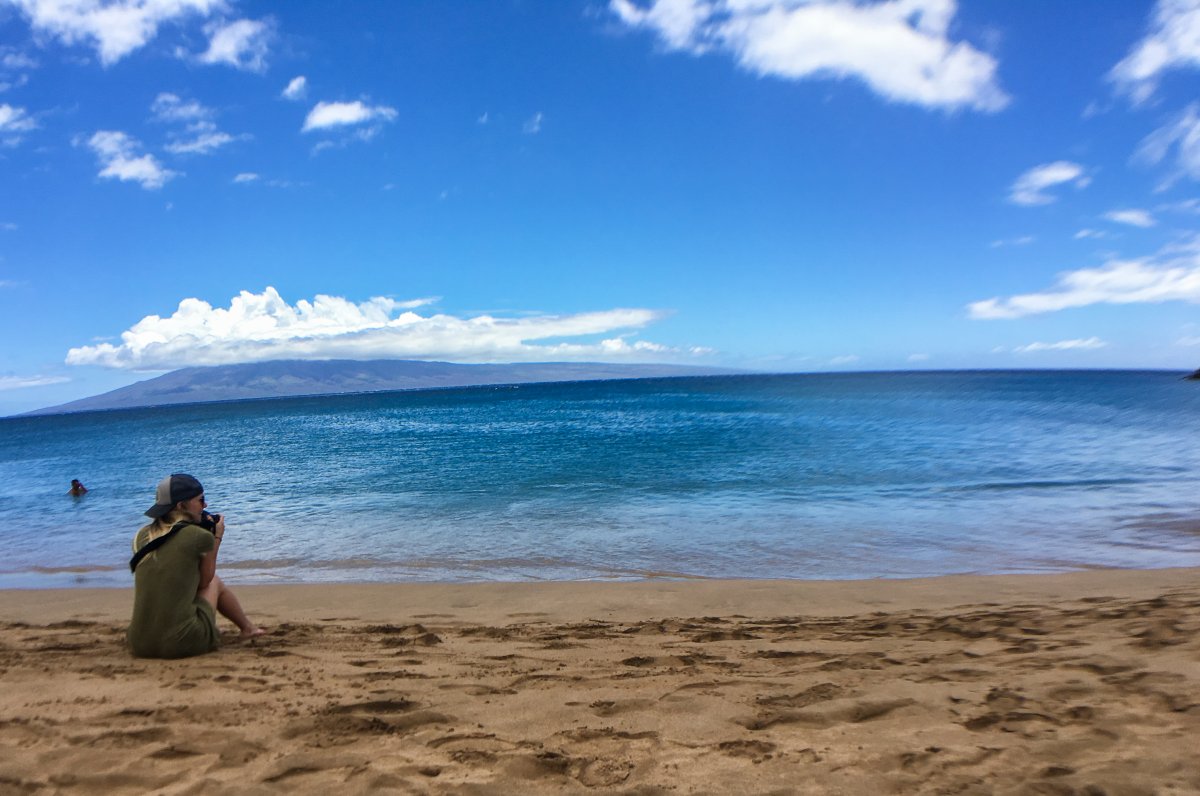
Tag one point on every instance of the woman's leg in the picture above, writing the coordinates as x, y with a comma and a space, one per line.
226, 602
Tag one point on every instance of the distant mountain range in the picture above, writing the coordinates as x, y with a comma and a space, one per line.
282, 378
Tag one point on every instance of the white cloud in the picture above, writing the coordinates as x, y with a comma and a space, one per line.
242, 44
201, 138
483, 118
296, 89
1024, 240
1181, 135
13, 118
533, 125
117, 153
918, 357
1188, 341
367, 133
14, 123
1171, 275
17, 60
1090, 233
115, 29
20, 382
257, 327
325, 115
850, 359
1183, 206
1062, 345
247, 177
617, 345
9, 85
900, 48
200, 135
8, 226
1030, 188
1134, 217
169, 107
1173, 42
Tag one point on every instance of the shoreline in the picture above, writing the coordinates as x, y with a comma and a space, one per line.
1073, 683
494, 600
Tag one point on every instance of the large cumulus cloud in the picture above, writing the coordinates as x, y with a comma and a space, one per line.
262, 326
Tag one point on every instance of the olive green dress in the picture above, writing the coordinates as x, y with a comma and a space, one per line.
169, 619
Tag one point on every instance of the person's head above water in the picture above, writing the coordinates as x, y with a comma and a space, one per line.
171, 491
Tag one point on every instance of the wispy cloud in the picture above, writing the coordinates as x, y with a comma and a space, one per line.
14, 68
1191, 206
114, 30
849, 359
326, 115
901, 49
8, 85
1023, 240
1090, 233
242, 44
200, 134
14, 123
296, 89
21, 382
1181, 135
1032, 186
1173, 42
1173, 274
169, 107
15, 60
1061, 345
117, 153
200, 139
250, 177
533, 125
1134, 217
262, 326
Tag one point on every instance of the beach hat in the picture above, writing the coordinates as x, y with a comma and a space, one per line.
171, 490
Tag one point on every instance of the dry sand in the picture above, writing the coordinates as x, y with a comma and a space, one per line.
1087, 683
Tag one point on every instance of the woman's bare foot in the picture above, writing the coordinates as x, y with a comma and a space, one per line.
252, 633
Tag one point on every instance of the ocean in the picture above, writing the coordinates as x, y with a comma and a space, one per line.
829, 476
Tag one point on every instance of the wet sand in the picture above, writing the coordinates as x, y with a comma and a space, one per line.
1086, 683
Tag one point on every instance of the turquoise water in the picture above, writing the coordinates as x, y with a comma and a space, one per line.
794, 476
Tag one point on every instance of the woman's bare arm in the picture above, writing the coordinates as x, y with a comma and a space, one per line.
208, 562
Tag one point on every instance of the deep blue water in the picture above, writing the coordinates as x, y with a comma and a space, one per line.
796, 476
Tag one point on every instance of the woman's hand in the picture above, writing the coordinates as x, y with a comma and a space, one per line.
219, 530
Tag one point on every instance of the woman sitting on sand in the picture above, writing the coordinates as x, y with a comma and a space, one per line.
176, 586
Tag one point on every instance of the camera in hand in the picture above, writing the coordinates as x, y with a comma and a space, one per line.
209, 521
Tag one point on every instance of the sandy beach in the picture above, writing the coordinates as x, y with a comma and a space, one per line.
1084, 683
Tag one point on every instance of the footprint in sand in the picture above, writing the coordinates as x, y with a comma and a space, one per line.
828, 716
607, 707
755, 750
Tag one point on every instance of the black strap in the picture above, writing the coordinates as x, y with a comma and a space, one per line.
152, 545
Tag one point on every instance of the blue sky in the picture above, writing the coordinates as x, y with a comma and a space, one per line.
786, 185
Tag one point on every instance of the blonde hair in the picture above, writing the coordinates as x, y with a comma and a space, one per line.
166, 522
